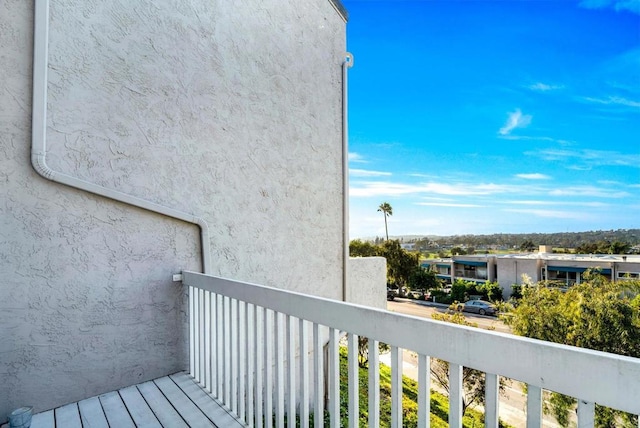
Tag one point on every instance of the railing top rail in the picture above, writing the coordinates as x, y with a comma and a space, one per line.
607, 379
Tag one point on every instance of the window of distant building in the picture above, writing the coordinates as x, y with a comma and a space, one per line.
628, 275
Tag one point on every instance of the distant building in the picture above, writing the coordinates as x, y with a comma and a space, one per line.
477, 268
409, 247
564, 270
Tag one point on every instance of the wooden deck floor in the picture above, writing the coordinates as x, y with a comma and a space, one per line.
171, 401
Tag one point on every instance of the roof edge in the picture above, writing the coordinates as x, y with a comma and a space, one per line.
339, 7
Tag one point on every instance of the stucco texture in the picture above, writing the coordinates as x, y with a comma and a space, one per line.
227, 110
367, 283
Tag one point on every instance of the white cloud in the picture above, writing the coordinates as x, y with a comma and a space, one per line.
589, 191
445, 204
618, 5
356, 158
556, 203
385, 188
574, 215
543, 87
381, 188
613, 100
534, 176
515, 120
585, 159
367, 173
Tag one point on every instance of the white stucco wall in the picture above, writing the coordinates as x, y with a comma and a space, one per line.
227, 110
510, 272
367, 281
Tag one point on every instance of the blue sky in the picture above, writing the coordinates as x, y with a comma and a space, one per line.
494, 116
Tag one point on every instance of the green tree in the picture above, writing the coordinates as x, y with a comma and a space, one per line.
400, 263
527, 246
358, 248
587, 248
387, 211
618, 247
458, 290
596, 314
423, 279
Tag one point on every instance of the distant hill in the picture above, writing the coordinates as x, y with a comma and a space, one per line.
560, 239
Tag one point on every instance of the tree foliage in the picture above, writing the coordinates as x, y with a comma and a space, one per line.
603, 247
462, 290
400, 263
423, 279
527, 245
457, 251
596, 314
358, 248
387, 211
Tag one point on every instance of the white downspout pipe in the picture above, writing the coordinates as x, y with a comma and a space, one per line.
39, 140
346, 65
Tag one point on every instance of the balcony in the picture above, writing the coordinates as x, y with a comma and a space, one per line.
260, 354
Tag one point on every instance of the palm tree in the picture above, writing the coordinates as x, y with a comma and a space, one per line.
386, 211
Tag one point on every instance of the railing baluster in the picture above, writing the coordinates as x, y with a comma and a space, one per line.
213, 344
233, 354
304, 373
491, 400
192, 330
227, 351
201, 331
534, 406
268, 368
196, 334
374, 383
242, 359
334, 379
396, 387
455, 395
251, 374
354, 381
424, 391
220, 346
280, 383
291, 371
259, 349
318, 386
586, 414
207, 341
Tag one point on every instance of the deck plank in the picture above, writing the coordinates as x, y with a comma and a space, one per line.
189, 411
160, 406
116, 411
204, 401
91, 413
68, 416
175, 401
139, 410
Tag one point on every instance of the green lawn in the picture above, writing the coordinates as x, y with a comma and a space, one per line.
439, 402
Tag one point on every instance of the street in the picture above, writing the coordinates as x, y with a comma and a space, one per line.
512, 403
425, 310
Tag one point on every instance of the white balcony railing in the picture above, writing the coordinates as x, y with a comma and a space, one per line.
246, 343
